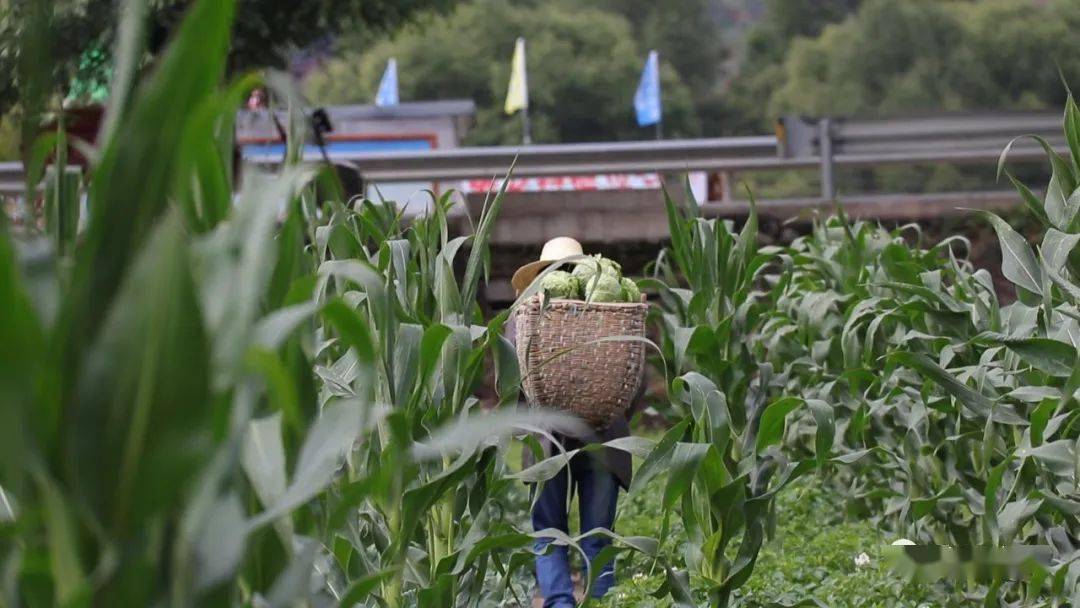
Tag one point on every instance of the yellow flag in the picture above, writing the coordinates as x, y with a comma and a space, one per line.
517, 94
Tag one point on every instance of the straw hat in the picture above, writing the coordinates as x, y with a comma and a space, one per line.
553, 251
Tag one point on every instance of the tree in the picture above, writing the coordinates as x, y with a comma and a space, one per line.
904, 56
896, 57
766, 47
9, 138
693, 37
685, 32
263, 33
583, 69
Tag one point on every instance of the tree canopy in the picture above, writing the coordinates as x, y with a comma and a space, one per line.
892, 57
265, 31
585, 56
583, 68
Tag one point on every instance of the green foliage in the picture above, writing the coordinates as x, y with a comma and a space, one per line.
724, 472
950, 392
266, 31
696, 37
203, 407
9, 136
870, 57
269, 400
684, 31
583, 68
812, 557
933, 409
900, 56
760, 71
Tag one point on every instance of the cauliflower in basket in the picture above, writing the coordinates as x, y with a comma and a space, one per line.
590, 267
631, 292
604, 287
561, 284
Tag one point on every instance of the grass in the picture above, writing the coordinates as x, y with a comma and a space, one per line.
812, 557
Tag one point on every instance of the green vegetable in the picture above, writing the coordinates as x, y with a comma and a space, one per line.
561, 284
610, 266
631, 293
585, 270
604, 288
588, 268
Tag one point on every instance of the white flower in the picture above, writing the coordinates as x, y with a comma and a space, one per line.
862, 560
902, 542
639, 575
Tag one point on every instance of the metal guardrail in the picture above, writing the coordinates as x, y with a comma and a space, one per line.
955, 138
13, 178
12, 181
559, 159
800, 143
801, 137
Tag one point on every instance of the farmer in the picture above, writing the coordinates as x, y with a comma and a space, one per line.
595, 476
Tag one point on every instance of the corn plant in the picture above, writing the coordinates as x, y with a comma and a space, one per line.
917, 319
892, 368
966, 405
185, 380
120, 434
721, 457
849, 295
264, 399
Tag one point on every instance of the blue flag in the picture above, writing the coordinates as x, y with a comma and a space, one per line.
388, 90
647, 98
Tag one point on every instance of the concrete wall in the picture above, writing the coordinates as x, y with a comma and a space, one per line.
629, 216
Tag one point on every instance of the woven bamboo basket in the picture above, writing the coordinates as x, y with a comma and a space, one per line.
562, 368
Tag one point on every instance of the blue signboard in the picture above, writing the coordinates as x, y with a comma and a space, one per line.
263, 151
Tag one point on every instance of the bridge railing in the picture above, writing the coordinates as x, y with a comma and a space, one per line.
559, 159
12, 180
799, 142
946, 138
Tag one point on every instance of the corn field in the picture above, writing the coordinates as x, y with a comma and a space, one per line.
267, 396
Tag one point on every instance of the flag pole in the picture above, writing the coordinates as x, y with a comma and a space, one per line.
526, 127
660, 106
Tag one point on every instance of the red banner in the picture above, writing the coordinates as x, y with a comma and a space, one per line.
575, 183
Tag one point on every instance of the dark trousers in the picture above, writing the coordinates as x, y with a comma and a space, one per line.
597, 493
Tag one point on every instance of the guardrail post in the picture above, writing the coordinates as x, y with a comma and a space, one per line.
725, 187
825, 147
